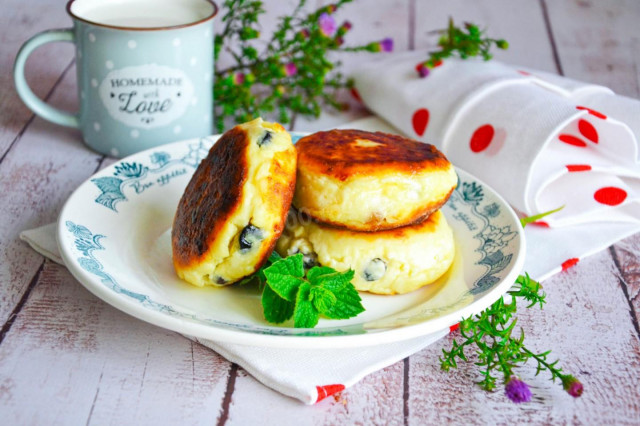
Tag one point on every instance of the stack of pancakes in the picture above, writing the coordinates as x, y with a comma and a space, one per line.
370, 202
363, 201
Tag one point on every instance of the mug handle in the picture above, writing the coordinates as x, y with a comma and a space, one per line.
36, 104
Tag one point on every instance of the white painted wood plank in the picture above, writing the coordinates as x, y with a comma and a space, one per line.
599, 42
585, 324
19, 21
36, 177
72, 359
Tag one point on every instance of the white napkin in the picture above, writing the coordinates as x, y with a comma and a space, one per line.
308, 375
542, 141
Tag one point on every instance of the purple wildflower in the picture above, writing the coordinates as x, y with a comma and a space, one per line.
572, 386
290, 69
517, 391
327, 24
386, 44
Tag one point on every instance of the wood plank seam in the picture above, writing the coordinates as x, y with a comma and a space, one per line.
625, 291
33, 116
552, 40
226, 402
95, 398
412, 25
405, 391
16, 310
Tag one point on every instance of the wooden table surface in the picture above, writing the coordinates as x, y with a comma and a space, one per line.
68, 358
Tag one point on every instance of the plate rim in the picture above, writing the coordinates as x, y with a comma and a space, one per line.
238, 336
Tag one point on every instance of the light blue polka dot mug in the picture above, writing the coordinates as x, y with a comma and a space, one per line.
145, 72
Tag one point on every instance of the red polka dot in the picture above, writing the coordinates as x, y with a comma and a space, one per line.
437, 63
588, 131
572, 140
593, 112
481, 138
524, 72
610, 195
454, 327
355, 94
578, 167
569, 263
540, 223
420, 121
328, 390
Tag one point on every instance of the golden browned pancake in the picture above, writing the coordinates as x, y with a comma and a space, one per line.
233, 209
394, 261
370, 181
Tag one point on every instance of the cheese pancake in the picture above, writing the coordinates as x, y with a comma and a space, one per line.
394, 261
370, 181
233, 209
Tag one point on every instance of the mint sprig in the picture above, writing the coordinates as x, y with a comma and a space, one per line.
322, 291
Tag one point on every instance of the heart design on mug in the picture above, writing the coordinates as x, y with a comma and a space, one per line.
420, 121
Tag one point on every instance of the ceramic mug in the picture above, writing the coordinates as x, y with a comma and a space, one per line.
144, 71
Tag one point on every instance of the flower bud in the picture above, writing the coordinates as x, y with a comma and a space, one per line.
422, 70
502, 44
290, 69
572, 385
386, 44
304, 33
238, 78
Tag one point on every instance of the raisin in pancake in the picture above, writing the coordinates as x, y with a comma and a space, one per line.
394, 261
370, 181
233, 209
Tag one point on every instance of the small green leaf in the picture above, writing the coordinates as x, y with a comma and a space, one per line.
276, 309
329, 278
530, 219
317, 271
285, 276
305, 315
348, 304
323, 299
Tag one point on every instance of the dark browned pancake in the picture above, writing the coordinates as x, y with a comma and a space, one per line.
230, 216
212, 195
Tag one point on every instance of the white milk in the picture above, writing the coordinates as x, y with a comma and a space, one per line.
142, 13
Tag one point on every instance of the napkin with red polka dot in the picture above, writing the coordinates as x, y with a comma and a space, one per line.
542, 141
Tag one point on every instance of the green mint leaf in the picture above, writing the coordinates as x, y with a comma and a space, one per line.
329, 278
276, 309
348, 303
530, 219
274, 257
314, 273
285, 276
305, 314
323, 300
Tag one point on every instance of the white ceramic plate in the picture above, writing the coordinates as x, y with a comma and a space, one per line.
113, 235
